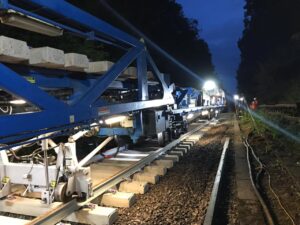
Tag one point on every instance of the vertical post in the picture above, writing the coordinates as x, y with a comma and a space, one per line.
3, 158
138, 125
45, 148
142, 76
3, 163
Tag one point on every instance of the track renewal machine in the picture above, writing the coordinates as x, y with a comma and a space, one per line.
59, 110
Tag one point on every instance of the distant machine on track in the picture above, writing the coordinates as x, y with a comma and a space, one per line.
51, 99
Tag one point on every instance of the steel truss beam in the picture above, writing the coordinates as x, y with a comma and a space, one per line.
55, 115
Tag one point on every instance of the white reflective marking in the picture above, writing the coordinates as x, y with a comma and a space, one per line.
124, 159
133, 155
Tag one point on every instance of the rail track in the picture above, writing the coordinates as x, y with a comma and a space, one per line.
135, 162
191, 192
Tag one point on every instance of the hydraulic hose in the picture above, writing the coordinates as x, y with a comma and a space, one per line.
257, 193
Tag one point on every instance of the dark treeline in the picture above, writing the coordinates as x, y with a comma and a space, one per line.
270, 51
163, 22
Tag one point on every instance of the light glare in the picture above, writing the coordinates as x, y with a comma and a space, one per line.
205, 113
18, 102
116, 119
209, 85
190, 116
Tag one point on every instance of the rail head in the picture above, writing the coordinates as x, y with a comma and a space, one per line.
210, 214
56, 215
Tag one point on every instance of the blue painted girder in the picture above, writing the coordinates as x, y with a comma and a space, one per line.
55, 115
67, 11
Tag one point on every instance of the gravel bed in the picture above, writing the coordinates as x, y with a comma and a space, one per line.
182, 196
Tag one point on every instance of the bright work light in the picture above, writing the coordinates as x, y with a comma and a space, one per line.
236, 97
17, 102
205, 113
14, 19
190, 116
209, 85
116, 119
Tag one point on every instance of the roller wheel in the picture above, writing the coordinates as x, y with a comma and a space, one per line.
60, 192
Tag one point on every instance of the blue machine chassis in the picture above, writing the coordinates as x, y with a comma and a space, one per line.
83, 109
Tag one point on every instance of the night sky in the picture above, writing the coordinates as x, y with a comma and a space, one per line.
221, 25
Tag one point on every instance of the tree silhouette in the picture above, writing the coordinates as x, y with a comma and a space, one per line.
163, 22
270, 51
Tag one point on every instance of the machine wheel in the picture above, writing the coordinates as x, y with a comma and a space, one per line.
169, 135
176, 133
209, 116
161, 139
185, 128
60, 192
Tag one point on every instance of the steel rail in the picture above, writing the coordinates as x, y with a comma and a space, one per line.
56, 215
210, 214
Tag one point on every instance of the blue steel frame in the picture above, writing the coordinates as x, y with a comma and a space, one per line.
82, 110
190, 92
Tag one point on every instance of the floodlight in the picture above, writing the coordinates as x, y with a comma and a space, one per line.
17, 102
209, 85
190, 116
116, 119
18, 20
236, 97
205, 113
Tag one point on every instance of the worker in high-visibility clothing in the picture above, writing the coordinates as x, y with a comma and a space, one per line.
254, 104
